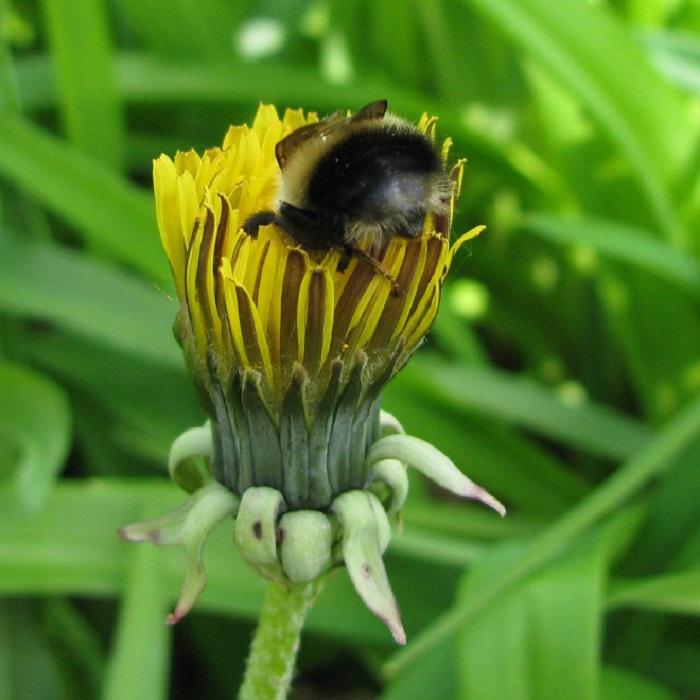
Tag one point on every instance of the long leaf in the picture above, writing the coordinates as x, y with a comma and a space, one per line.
617, 241
645, 465
520, 400
139, 661
596, 59
98, 300
35, 432
89, 99
112, 215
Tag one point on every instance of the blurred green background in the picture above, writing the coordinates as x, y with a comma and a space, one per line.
562, 373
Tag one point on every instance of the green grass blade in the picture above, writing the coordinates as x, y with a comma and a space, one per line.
627, 481
677, 593
139, 661
610, 76
112, 215
35, 433
31, 670
205, 27
549, 645
617, 241
618, 683
77, 644
6, 661
677, 56
678, 664
90, 297
82, 55
435, 677
146, 403
587, 425
523, 630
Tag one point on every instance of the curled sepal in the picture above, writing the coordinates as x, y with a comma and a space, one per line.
189, 458
390, 424
391, 473
215, 504
306, 544
365, 535
432, 463
165, 529
383, 527
256, 530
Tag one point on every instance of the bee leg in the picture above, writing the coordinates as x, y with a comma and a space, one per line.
345, 259
255, 221
396, 290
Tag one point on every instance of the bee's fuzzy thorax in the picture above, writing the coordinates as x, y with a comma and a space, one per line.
294, 180
359, 180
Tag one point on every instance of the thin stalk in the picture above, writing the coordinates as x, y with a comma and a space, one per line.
270, 666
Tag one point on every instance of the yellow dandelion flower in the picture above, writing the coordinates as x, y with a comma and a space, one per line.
290, 334
286, 342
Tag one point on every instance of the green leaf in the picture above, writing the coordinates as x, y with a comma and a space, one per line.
677, 593
612, 494
617, 241
91, 297
677, 56
35, 425
617, 683
144, 404
139, 662
549, 645
677, 664
631, 102
89, 99
29, 668
516, 399
434, 677
111, 214
77, 644
206, 27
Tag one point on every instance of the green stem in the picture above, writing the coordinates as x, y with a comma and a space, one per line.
268, 674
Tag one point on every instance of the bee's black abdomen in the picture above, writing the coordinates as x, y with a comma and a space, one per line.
374, 174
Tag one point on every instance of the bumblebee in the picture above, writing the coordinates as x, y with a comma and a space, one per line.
353, 182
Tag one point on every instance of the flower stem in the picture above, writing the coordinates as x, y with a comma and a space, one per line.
270, 666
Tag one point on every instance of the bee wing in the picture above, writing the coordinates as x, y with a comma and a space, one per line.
286, 147
374, 110
289, 144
